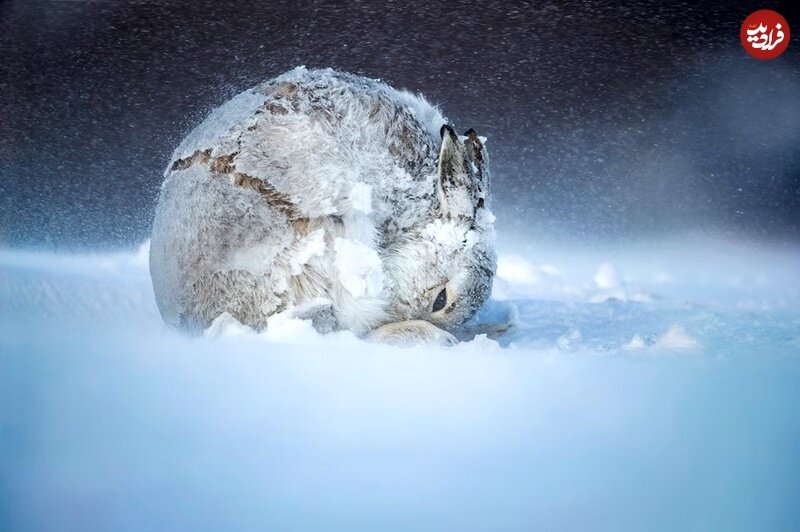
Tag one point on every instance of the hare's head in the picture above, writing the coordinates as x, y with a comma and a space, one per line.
443, 272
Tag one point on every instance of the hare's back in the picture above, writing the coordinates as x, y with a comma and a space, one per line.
318, 137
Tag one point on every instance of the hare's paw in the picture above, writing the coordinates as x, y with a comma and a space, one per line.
408, 333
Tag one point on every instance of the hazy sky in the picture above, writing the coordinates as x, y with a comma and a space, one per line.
604, 121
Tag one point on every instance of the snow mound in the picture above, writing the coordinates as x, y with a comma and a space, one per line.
676, 338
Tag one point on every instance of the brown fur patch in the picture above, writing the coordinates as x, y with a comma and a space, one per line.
284, 89
302, 225
223, 164
197, 157
309, 284
272, 196
276, 109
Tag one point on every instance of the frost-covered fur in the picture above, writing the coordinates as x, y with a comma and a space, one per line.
331, 190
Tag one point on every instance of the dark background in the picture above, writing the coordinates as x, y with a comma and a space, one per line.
605, 121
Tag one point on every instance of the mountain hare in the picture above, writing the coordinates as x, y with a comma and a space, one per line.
333, 197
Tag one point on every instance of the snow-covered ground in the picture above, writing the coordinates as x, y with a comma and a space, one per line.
650, 387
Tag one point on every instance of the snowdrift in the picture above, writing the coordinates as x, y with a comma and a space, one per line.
651, 388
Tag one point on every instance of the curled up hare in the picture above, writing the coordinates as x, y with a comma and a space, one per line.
330, 196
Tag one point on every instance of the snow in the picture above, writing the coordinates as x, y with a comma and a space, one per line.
605, 277
669, 414
359, 267
226, 325
637, 342
676, 338
361, 197
312, 246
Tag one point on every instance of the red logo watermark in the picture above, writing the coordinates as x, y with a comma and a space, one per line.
765, 34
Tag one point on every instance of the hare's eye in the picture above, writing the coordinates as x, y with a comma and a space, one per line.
440, 301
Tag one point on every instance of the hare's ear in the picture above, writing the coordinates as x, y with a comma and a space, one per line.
479, 159
453, 185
